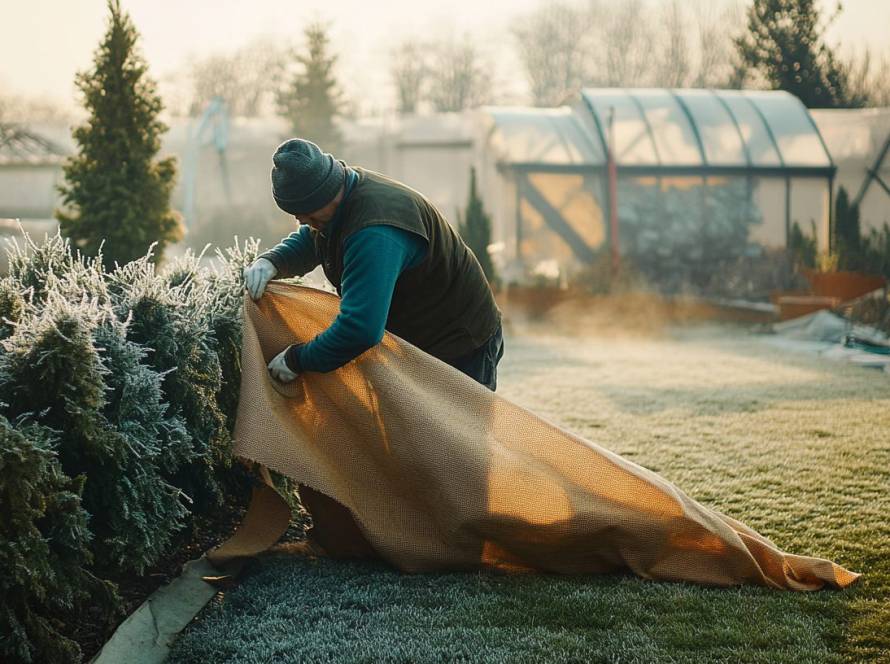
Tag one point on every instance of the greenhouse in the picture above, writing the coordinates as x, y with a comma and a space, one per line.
706, 182
701, 178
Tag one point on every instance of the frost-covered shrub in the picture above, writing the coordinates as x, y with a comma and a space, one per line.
129, 381
11, 306
171, 324
31, 265
215, 294
222, 291
134, 401
54, 370
44, 547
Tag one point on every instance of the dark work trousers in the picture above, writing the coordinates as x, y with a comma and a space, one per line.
340, 535
482, 364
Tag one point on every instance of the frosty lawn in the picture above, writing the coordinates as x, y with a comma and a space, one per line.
794, 447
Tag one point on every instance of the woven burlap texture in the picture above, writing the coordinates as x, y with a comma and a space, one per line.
438, 473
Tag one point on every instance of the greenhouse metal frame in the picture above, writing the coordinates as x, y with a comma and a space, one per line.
662, 134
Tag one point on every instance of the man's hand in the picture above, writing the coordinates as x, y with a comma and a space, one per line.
279, 369
257, 275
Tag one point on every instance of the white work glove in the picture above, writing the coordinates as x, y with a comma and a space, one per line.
257, 275
279, 369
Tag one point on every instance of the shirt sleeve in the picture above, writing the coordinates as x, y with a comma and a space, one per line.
294, 255
374, 258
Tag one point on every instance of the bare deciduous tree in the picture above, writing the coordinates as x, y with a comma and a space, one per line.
664, 43
858, 70
868, 78
625, 40
879, 92
459, 78
554, 44
23, 109
409, 70
673, 66
714, 27
245, 78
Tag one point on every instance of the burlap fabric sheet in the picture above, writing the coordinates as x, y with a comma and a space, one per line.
401, 456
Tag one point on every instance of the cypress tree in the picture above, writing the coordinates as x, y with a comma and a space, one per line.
475, 229
44, 548
802, 248
312, 99
847, 232
115, 191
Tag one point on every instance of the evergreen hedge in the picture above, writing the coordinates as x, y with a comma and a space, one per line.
117, 400
44, 547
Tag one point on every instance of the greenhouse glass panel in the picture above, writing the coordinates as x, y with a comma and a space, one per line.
730, 216
683, 256
660, 223
537, 243
569, 210
729, 212
769, 208
503, 217
633, 140
761, 147
798, 141
648, 234
638, 212
674, 137
809, 207
875, 209
543, 253
574, 199
742, 266
720, 136
542, 136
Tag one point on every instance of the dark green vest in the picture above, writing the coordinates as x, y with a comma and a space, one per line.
443, 305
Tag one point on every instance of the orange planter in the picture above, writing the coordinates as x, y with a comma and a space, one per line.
794, 306
843, 285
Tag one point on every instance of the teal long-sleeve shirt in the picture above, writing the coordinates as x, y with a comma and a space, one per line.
373, 259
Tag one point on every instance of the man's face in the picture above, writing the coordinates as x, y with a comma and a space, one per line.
322, 216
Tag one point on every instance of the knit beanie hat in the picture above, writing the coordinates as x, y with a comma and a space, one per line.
304, 179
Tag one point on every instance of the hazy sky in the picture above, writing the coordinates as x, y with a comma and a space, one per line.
44, 42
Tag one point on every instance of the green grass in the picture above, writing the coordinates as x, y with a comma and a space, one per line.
796, 447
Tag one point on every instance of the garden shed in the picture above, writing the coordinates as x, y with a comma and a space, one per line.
701, 176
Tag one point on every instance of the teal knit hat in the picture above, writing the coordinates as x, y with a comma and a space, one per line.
304, 179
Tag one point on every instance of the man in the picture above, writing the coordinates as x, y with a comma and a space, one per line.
395, 261
397, 265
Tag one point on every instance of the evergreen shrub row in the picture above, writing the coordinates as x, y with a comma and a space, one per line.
118, 392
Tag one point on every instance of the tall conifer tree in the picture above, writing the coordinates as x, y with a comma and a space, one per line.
312, 99
785, 43
475, 229
114, 189
847, 232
